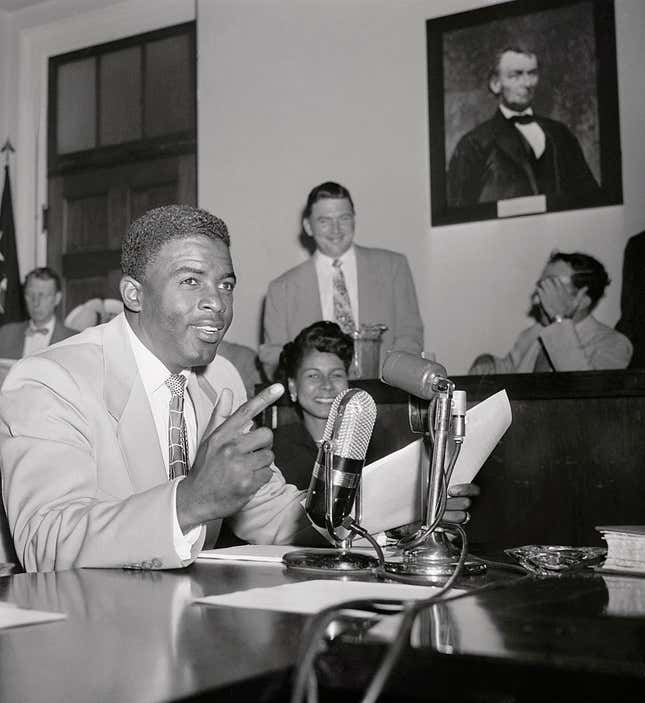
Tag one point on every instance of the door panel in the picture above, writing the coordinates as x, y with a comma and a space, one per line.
90, 210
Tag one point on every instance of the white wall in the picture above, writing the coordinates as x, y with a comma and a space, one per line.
4, 72
294, 92
33, 35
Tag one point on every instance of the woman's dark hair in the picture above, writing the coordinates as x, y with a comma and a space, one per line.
322, 336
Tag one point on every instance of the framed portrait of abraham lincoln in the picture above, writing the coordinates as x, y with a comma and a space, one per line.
523, 110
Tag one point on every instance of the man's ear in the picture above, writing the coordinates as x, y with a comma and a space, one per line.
58, 297
131, 292
306, 226
494, 85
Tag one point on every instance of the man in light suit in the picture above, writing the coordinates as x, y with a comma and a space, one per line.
517, 153
84, 425
129, 443
378, 281
566, 336
42, 296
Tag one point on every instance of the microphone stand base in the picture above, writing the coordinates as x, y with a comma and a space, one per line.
434, 570
435, 559
341, 562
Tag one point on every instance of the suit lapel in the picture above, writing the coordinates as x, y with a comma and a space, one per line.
509, 140
57, 334
311, 303
126, 401
368, 284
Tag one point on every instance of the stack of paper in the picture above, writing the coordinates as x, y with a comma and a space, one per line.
13, 616
391, 486
625, 548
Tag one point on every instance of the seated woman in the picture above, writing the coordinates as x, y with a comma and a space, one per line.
314, 369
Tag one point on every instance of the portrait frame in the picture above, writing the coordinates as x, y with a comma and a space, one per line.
578, 87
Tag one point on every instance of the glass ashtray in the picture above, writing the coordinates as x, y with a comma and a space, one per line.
553, 560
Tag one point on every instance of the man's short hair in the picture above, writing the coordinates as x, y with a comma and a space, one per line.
43, 273
516, 49
588, 273
147, 234
329, 189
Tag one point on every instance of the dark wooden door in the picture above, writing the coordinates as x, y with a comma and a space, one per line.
89, 212
122, 138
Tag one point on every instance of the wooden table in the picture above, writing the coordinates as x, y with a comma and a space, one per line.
136, 636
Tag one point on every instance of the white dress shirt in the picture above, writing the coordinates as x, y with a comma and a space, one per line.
532, 132
153, 375
325, 272
37, 342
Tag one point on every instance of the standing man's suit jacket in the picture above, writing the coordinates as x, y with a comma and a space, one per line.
386, 294
12, 337
491, 162
84, 481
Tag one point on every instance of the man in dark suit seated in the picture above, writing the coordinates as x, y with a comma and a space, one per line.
42, 296
517, 153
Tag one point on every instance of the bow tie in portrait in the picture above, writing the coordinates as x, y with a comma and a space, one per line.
36, 330
522, 119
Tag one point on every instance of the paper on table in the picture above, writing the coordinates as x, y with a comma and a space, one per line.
13, 616
390, 488
266, 553
312, 596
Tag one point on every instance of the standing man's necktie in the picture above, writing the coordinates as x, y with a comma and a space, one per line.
177, 441
342, 305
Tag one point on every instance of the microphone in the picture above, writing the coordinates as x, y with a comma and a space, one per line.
347, 435
418, 376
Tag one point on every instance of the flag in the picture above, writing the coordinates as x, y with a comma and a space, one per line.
11, 309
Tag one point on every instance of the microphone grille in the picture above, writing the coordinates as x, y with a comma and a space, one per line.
356, 414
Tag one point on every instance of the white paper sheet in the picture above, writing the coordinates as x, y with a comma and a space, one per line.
266, 553
391, 486
13, 616
311, 596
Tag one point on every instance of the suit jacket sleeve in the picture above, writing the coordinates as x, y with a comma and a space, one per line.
464, 173
58, 515
609, 351
275, 326
408, 327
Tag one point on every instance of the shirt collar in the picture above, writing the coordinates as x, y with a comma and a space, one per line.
49, 326
152, 371
348, 258
508, 113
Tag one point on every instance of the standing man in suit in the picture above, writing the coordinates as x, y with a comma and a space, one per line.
342, 282
42, 296
517, 153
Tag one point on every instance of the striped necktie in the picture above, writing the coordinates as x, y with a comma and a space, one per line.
342, 305
177, 441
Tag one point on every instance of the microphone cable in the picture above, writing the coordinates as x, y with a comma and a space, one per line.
304, 681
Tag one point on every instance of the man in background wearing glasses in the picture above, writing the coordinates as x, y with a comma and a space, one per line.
565, 335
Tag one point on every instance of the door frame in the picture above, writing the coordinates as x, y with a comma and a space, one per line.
36, 44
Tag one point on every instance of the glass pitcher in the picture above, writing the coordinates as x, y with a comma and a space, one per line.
367, 351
